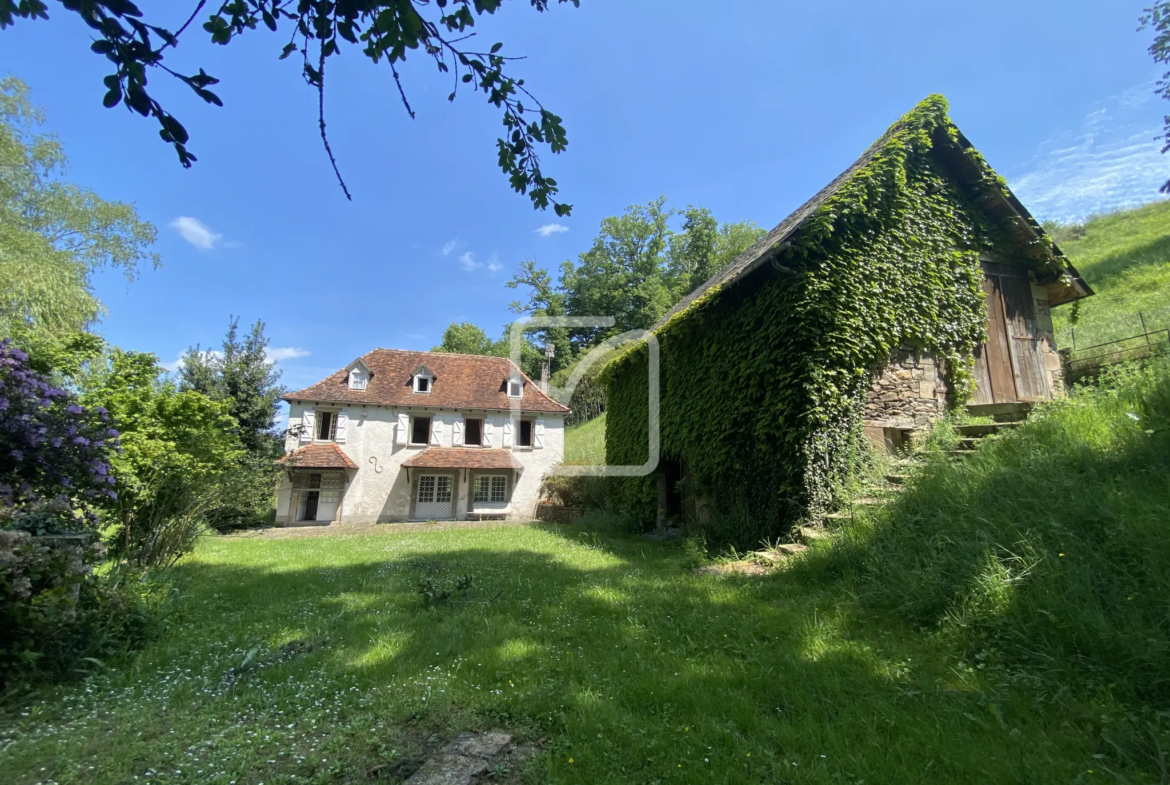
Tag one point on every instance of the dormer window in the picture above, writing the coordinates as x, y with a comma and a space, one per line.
422, 380
515, 388
358, 376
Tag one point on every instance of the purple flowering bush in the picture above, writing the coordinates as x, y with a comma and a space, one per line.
54, 474
50, 446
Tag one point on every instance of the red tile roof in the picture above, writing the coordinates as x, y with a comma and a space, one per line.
461, 381
318, 456
462, 458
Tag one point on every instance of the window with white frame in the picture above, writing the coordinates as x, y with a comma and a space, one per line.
524, 434
434, 488
326, 426
491, 488
473, 432
358, 378
420, 430
422, 383
515, 388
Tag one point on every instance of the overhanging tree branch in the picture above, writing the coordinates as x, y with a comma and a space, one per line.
381, 28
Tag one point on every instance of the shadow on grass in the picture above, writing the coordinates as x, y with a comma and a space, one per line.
634, 667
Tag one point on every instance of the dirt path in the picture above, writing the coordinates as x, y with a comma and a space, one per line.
342, 529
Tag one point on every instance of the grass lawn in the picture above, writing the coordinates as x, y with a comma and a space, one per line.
585, 443
632, 668
1125, 257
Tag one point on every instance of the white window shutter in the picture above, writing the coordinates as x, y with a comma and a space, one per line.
436, 430
403, 428
489, 430
307, 423
457, 432
537, 434
339, 428
508, 433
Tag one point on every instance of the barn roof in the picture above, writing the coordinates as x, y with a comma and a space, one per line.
999, 201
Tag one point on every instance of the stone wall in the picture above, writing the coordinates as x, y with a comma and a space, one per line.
909, 395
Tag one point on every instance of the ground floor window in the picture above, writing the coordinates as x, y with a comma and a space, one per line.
491, 488
317, 494
434, 488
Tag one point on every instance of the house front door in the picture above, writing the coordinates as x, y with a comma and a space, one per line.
434, 499
1009, 368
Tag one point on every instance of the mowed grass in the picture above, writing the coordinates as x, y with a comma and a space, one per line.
1125, 257
620, 666
585, 443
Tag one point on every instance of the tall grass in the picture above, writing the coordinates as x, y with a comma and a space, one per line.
1048, 549
585, 443
1125, 257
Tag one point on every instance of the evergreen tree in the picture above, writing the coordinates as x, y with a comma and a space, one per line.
241, 375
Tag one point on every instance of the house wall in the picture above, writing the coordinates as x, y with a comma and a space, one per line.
378, 491
909, 394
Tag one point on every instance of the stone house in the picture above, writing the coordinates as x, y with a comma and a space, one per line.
401, 435
912, 279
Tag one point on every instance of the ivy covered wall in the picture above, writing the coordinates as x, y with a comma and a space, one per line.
762, 382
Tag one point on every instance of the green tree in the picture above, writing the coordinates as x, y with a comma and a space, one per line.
54, 235
316, 30
623, 273
177, 449
241, 376
1157, 16
544, 300
465, 338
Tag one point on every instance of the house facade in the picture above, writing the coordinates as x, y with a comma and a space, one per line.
912, 283
401, 436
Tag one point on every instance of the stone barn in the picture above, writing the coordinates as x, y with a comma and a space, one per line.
914, 282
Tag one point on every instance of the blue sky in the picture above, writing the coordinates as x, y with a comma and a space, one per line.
747, 111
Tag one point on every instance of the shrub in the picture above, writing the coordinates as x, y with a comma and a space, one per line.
50, 447
56, 613
587, 492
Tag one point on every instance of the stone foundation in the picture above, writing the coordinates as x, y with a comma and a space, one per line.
909, 395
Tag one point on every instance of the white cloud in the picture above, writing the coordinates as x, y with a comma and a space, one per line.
277, 353
1110, 162
274, 354
196, 232
450, 246
177, 363
467, 261
493, 264
549, 229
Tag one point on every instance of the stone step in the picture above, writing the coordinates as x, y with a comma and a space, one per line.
960, 454
1000, 412
895, 479
970, 442
987, 429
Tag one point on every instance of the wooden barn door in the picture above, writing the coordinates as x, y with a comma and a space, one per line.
1010, 366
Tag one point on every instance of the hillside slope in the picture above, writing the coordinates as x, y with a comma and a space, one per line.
585, 443
1125, 257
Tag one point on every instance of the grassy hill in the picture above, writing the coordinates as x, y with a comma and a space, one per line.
1125, 257
585, 443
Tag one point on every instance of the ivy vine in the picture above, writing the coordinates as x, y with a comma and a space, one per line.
762, 382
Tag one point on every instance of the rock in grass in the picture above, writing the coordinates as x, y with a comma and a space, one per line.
468, 756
